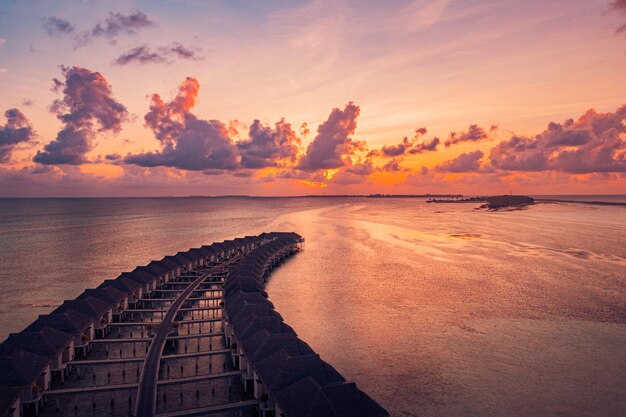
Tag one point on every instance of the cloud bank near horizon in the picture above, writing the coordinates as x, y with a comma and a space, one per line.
593, 144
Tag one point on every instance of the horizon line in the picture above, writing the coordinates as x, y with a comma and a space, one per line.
375, 195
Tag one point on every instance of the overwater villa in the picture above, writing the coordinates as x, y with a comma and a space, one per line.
53, 344
209, 303
99, 312
30, 374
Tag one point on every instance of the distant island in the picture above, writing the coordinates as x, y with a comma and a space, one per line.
414, 195
495, 202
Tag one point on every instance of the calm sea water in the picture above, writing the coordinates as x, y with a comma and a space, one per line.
433, 309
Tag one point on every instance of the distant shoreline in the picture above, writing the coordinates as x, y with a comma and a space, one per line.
594, 199
595, 203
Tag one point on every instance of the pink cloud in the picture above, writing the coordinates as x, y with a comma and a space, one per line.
593, 143
333, 143
87, 107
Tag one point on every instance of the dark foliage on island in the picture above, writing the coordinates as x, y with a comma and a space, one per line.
493, 202
413, 195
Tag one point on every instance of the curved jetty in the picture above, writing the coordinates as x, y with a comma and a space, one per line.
193, 334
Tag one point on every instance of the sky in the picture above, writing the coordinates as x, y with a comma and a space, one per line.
195, 97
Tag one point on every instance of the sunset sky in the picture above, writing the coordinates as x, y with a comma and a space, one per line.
195, 97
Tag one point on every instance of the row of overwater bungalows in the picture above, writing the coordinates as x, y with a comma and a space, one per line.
287, 376
32, 359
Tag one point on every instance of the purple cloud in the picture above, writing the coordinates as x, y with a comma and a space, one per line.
267, 147
474, 133
391, 166
55, 26
519, 154
425, 146
466, 162
16, 130
141, 55
114, 26
593, 143
333, 143
406, 146
145, 55
87, 107
364, 168
186, 141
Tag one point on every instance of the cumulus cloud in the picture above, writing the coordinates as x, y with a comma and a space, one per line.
333, 146
397, 152
55, 26
408, 146
186, 141
16, 130
593, 143
363, 168
144, 54
425, 146
391, 166
267, 147
466, 162
474, 133
87, 107
114, 26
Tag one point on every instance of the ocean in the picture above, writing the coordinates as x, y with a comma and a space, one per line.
433, 309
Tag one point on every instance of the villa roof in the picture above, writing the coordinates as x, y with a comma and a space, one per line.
208, 249
283, 369
218, 247
183, 257
44, 342
174, 260
21, 368
229, 244
307, 398
70, 322
255, 324
89, 306
122, 283
139, 276
194, 254
164, 264
109, 294
264, 343
153, 269
237, 300
258, 310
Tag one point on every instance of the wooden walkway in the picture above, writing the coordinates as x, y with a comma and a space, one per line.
89, 362
122, 387
155, 323
196, 412
145, 405
148, 339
